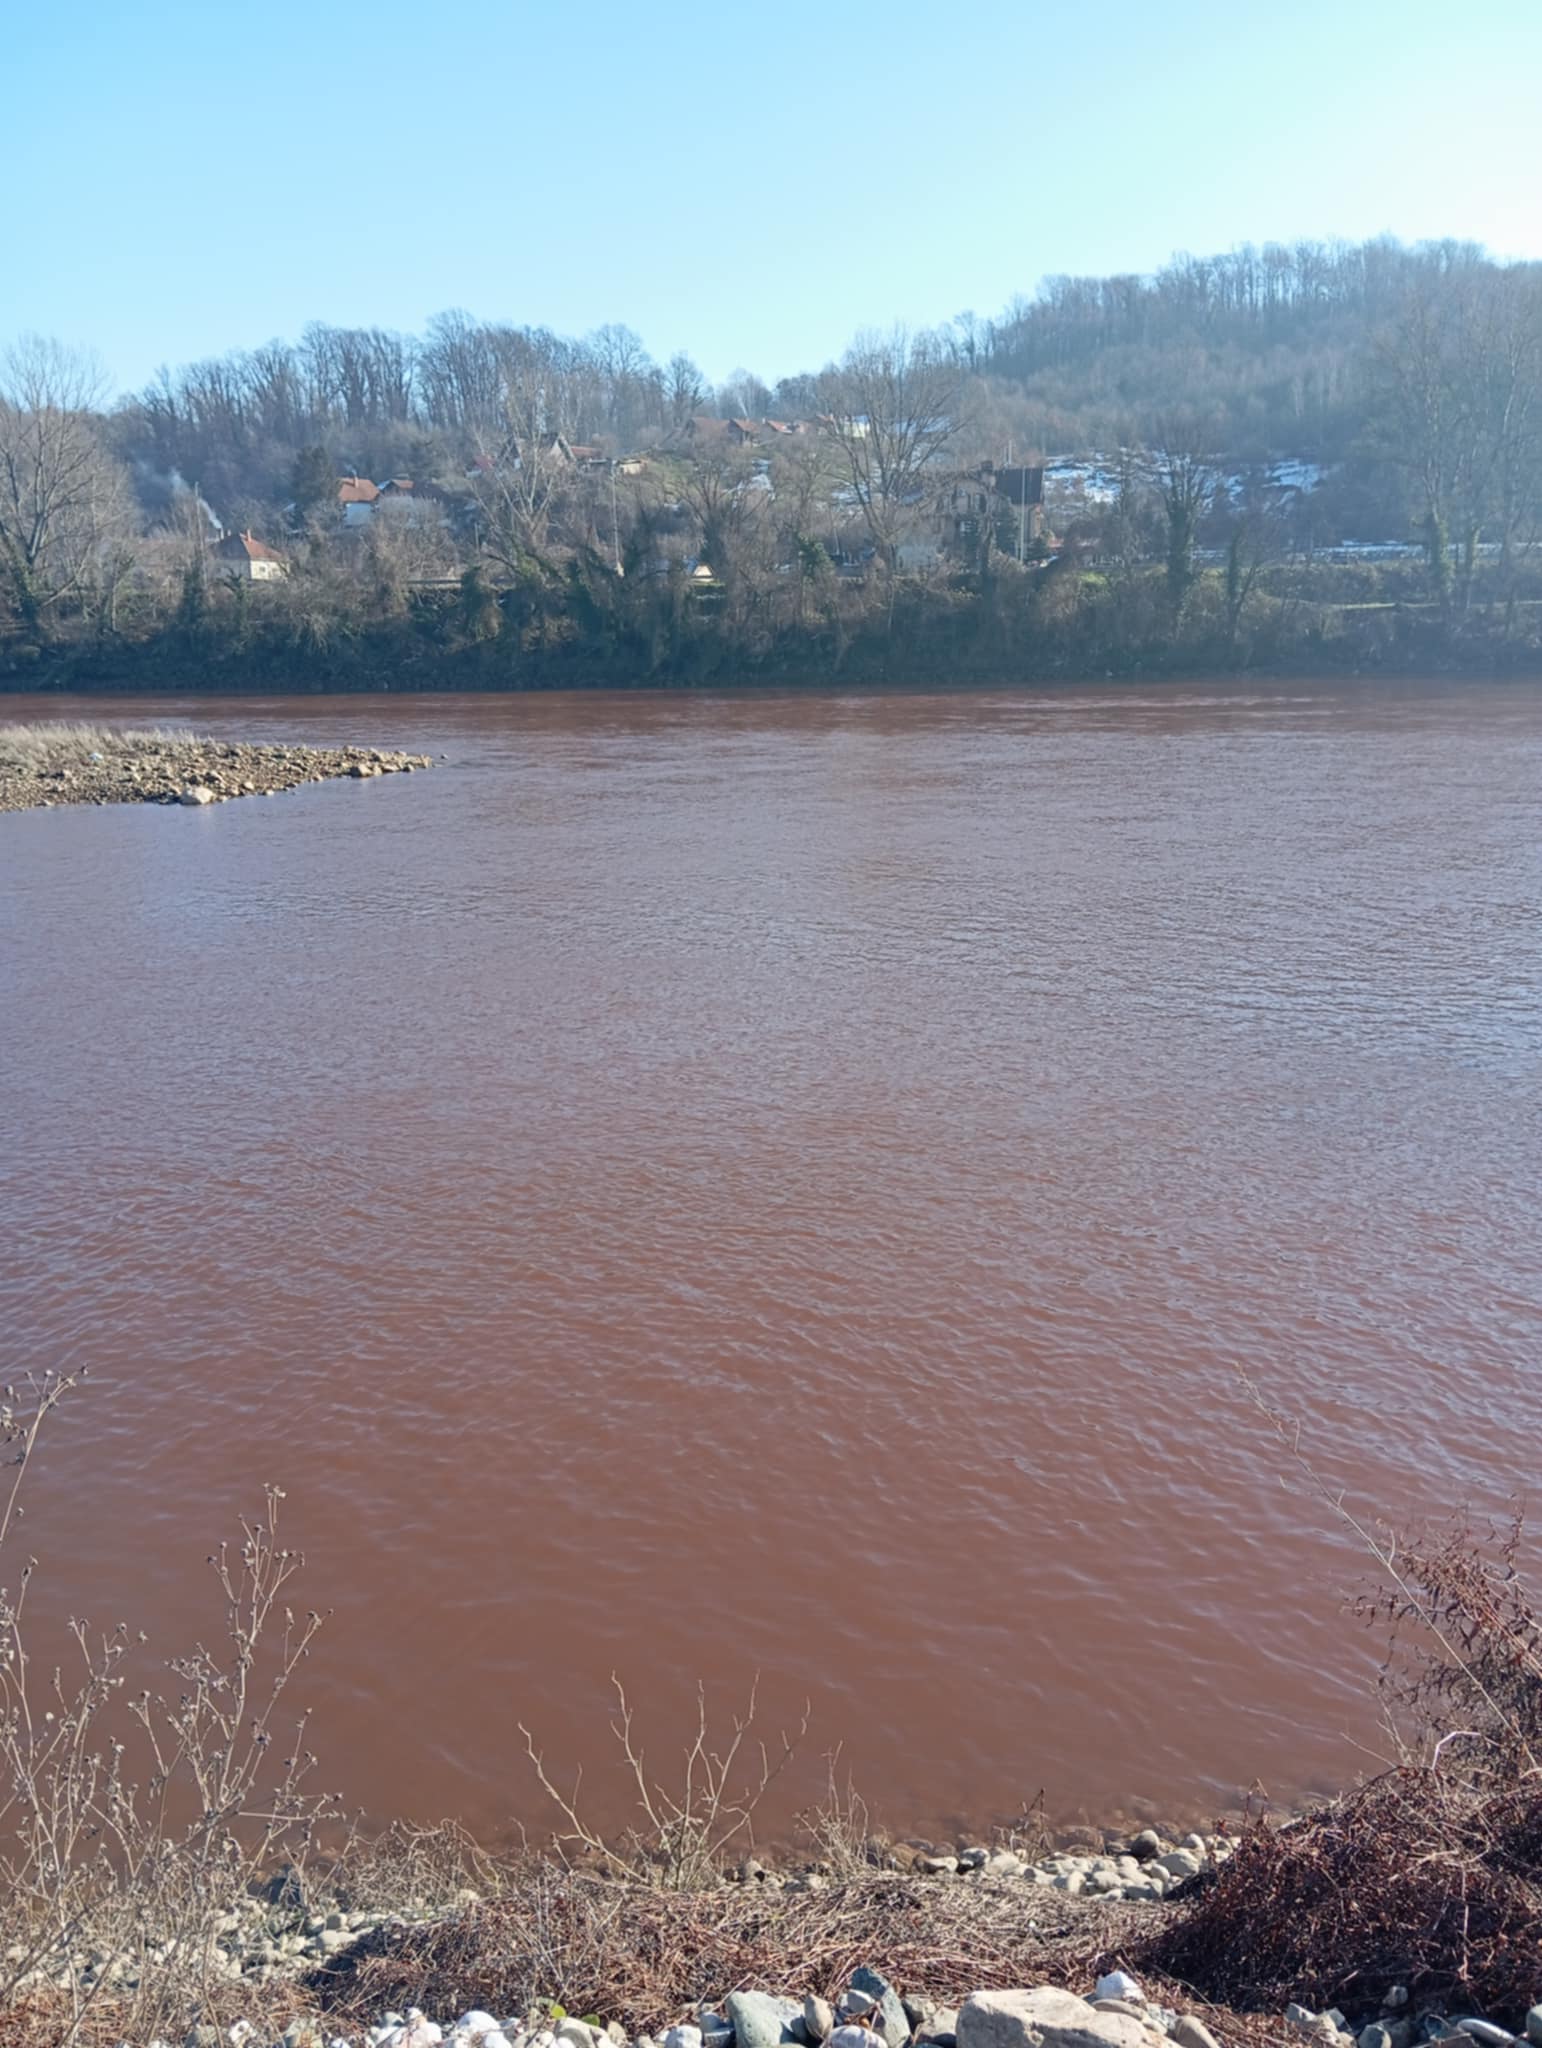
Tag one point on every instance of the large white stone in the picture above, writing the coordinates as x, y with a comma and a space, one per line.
1043, 2018
1118, 1984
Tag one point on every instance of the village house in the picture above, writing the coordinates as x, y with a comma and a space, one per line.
704, 428
707, 429
356, 497
249, 560
1009, 501
1006, 503
1022, 486
554, 449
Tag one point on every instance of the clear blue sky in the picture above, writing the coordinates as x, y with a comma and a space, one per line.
751, 184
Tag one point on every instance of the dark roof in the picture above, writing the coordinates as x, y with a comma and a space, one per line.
241, 547
1021, 485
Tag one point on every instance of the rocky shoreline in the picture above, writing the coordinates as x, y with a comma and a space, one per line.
319, 1963
275, 1937
870, 2013
44, 766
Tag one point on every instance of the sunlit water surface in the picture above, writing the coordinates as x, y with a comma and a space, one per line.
703, 1186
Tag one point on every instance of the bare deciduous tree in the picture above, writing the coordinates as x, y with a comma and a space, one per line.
891, 409
1423, 422
1456, 406
685, 390
1506, 334
61, 494
728, 498
525, 482
407, 542
517, 500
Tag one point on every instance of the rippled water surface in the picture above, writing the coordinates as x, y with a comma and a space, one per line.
693, 1187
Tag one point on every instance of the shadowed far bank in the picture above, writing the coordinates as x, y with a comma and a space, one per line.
1063, 621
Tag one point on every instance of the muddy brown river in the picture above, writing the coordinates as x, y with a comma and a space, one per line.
704, 1186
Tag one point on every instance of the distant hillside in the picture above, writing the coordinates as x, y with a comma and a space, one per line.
1271, 354
1272, 343
1314, 455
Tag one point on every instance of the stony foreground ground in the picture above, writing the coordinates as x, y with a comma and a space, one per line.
980, 1949
1117, 2013
45, 765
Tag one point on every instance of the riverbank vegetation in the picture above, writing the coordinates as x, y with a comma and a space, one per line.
171, 1861
1315, 458
1429, 1875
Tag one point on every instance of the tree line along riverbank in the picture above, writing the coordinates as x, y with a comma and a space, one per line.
1060, 622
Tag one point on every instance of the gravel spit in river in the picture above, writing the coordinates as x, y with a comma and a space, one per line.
42, 765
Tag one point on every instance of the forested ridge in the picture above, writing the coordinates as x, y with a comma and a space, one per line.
1222, 444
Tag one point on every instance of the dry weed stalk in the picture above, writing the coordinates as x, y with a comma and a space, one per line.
1487, 1635
1427, 1875
838, 1826
1463, 1586
686, 1831
640, 1955
115, 1885
1030, 1834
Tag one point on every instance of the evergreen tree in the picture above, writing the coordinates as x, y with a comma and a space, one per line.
480, 618
313, 480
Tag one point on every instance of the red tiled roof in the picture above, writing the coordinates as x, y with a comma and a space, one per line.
356, 490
